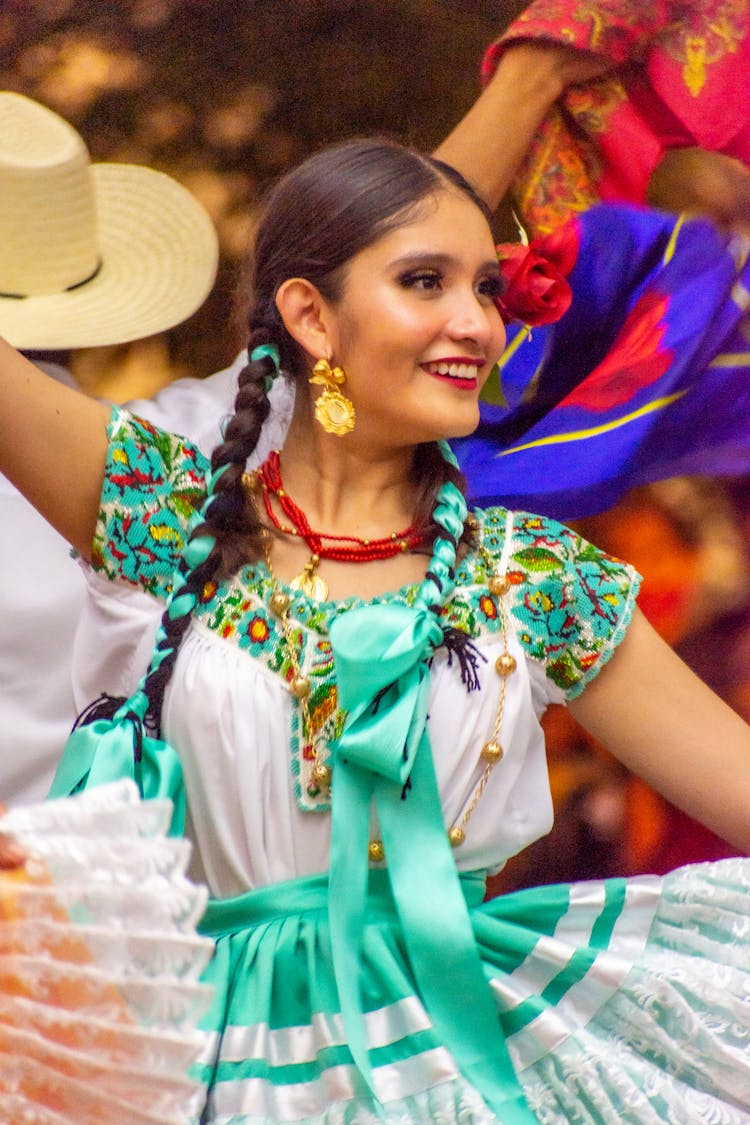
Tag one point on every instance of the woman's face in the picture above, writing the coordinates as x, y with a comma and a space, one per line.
416, 329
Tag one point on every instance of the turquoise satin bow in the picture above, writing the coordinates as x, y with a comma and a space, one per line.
383, 679
381, 655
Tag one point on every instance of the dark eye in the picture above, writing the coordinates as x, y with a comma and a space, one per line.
425, 280
492, 287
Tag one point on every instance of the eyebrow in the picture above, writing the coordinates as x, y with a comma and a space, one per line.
430, 257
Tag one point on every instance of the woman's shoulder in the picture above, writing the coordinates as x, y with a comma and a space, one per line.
134, 439
154, 483
539, 545
570, 602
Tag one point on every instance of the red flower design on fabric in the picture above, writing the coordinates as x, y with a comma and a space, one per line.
635, 360
536, 288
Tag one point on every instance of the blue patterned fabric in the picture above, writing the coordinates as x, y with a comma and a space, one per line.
645, 377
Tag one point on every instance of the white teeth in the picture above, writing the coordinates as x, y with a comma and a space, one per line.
454, 370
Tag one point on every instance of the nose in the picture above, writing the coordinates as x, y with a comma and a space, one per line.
474, 318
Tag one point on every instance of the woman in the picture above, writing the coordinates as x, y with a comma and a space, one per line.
352, 713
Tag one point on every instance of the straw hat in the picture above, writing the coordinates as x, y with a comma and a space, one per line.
91, 254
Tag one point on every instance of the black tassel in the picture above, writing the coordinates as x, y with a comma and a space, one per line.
458, 643
104, 707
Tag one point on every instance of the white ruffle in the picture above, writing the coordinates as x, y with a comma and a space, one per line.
99, 965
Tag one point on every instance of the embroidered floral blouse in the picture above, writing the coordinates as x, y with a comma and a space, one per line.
239, 731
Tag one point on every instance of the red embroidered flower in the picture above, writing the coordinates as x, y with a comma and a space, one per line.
258, 631
488, 607
516, 577
636, 359
208, 591
536, 287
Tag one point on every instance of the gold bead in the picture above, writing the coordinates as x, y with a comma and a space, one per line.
505, 664
375, 851
322, 774
492, 752
280, 603
404, 545
300, 687
499, 584
456, 836
314, 560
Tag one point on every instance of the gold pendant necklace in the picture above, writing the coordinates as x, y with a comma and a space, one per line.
309, 583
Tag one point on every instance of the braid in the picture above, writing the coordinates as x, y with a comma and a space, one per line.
229, 531
431, 471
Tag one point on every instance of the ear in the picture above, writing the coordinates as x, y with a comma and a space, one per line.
306, 315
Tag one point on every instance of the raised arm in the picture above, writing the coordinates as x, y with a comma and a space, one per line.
53, 445
667, 726
491, 140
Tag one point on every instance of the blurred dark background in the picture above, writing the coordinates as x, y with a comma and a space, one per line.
225, 95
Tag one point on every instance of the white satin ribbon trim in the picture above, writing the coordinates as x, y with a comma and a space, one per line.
607, 973
302, 1044
257, 1097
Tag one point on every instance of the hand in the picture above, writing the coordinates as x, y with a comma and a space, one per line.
565, 66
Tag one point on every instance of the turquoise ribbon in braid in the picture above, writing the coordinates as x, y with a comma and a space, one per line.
267, 351
110, 749
383, 756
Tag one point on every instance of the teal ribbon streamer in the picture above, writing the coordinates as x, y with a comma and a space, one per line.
105, 751
383, 681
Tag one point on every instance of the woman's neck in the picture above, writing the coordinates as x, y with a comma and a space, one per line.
344, 487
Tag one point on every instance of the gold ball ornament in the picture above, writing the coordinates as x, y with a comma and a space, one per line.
322, 775
280, 603
505, 664
300, 687
456, 836
375, 851
492, 752
498, 585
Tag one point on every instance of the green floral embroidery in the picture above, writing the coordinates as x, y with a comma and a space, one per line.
571, 603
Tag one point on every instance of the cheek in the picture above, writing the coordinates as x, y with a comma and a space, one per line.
501, 339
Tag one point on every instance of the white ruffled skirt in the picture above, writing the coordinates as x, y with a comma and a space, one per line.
99, 965
621, 1001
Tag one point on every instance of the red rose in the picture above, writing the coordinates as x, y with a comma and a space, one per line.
536, 288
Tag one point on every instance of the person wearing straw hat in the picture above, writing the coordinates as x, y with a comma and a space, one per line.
90, 254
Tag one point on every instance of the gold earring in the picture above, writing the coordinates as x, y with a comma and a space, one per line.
333, 411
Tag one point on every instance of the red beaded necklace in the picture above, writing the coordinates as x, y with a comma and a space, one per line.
341, 548
350, 548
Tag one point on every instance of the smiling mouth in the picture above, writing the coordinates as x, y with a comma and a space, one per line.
463, 375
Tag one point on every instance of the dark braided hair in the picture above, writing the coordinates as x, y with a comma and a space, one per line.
316, 219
